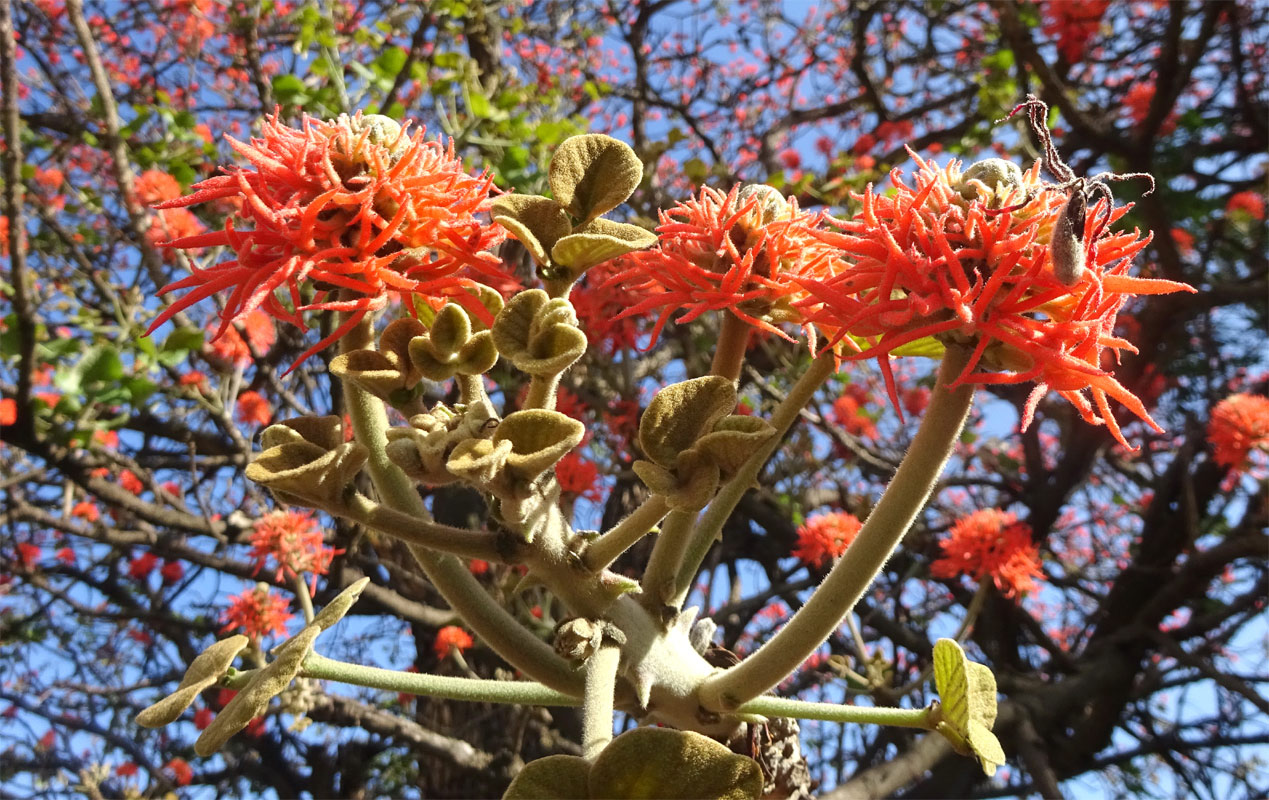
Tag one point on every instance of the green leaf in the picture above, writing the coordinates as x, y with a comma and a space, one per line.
289, 89
592, 174
967, 705
183, 339
672, 765
598, 241
551, 778
390, 61
102, 363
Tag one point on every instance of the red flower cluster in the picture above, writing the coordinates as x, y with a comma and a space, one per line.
577, 476
293, 541
253, 408
737, 251
451, 637
991, 543
258, 612
1248, 202
1239, 424
848, 413
928, 262
232, 349
1073, 22
825, 537
357, 205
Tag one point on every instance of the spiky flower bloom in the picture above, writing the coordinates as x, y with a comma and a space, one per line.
451, 637
990, 543
292, 541
1239, 424
824, 537
737, 251
340, 216
257, 612
972, 264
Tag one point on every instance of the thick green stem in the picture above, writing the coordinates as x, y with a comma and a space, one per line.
301, 593
473, 689
720, 508
885, 527
667, 554
601, 685
422, 531
492, 623
836, 712
733, 340
622, 536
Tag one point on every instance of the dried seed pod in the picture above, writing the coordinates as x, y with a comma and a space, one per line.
1067, 246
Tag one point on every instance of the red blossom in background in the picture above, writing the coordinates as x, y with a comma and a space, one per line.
927, 262
171, 571
577, 476
451, 637
257, 612
990, 543
27, 555
8, 411
129, 481
1073, 23
848, 413
1239, 424
292, 541
358, 205
182, 772
140, 567
1248, 202
737, 252
824, 537
231, 348
253, 409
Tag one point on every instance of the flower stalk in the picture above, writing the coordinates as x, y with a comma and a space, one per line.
601, 686
909, 489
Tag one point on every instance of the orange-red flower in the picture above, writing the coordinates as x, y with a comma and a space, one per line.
1239, 424
971, 265
736, 251
339, 216
1252, 203
231, 347
253, 408
451, 637
1073, 22
991, 543
824, 537
258, 612
293, 541
577, 476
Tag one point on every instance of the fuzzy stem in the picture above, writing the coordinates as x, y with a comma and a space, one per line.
769, 706
667, 553
306, 600
422, 531
720, 508
492, 623
733, 340
601, 684
471, 390
476, 690
622, 536
894, 514
542, 392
